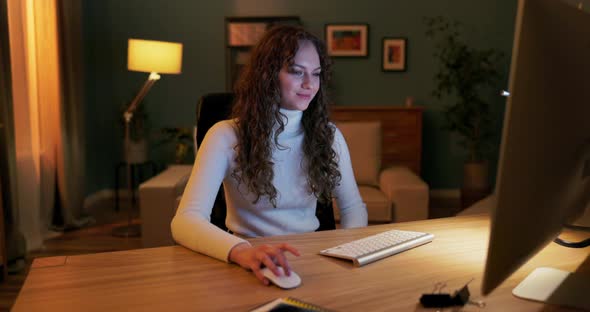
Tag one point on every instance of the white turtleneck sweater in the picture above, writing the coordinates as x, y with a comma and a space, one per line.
295, 211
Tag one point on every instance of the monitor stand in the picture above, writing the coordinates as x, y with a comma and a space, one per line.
554, 286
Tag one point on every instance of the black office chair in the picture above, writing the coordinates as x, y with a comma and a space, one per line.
214, 107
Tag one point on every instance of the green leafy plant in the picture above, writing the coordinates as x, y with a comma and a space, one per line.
182, 138
464, 73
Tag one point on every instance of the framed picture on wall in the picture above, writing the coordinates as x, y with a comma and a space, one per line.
394, 54
347, 40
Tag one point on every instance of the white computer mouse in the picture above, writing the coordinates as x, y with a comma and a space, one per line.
283, 281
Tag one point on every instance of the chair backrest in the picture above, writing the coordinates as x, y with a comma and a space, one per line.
212, 108
215, 107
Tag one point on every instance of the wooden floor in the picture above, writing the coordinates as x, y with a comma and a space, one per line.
98, 238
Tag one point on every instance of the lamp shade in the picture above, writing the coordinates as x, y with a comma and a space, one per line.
154, 56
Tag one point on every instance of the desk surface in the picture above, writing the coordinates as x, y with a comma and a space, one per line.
176, 279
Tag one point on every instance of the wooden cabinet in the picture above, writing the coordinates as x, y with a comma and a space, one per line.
401, 131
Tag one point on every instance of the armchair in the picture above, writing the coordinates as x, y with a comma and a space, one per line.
392, 194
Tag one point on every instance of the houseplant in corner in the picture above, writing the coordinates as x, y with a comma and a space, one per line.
463, 75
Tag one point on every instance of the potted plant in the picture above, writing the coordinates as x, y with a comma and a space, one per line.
464, 74
182, 138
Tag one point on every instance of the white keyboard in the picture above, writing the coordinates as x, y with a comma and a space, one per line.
378, 246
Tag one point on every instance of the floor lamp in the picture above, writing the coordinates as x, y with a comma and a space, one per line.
154, 57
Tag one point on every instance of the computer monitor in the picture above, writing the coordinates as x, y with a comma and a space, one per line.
543, 179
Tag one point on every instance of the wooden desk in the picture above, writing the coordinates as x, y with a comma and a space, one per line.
176, 279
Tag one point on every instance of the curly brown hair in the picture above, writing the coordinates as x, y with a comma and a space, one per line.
258, 98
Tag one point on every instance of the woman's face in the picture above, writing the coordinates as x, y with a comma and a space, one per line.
300, 81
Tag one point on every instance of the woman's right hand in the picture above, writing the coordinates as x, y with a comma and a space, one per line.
253, 258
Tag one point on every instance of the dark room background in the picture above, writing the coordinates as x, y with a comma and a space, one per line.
199, 25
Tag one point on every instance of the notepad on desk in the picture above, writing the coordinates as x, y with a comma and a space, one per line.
288, 304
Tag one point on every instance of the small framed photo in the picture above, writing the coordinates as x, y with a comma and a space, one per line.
394, 54
347, 40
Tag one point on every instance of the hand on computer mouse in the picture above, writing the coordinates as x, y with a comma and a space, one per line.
256, 257
282, 281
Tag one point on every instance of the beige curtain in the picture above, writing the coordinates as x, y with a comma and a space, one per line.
45, 61
71, 176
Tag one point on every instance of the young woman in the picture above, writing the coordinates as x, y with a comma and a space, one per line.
276, 158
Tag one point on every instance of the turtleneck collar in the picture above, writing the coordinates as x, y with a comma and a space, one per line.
292, 122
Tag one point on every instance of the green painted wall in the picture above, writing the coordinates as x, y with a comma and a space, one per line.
199, 25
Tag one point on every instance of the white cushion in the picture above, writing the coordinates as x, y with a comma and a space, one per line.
407, 192
378, 206
364, 143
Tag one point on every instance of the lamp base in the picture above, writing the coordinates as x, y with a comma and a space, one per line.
131, 230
